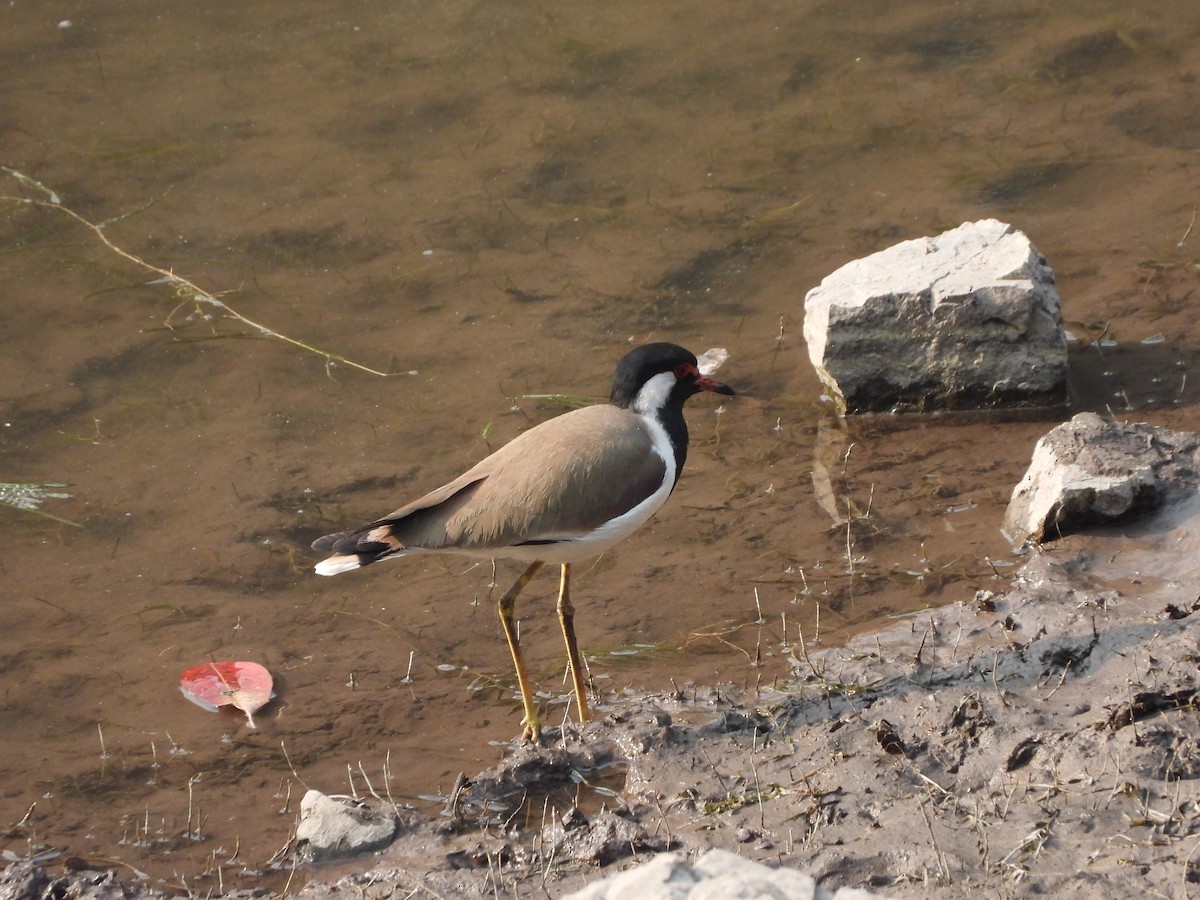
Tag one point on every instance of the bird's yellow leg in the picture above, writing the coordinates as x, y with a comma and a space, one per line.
566, 618
508, 603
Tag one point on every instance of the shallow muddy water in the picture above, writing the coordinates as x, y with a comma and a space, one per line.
492, 202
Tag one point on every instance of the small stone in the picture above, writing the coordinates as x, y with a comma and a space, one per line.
338, 827
1090, 471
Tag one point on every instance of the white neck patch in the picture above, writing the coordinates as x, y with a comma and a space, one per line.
654, 393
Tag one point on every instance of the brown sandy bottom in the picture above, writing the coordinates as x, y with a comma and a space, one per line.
1042, 739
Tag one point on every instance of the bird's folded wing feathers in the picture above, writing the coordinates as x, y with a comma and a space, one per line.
557, 481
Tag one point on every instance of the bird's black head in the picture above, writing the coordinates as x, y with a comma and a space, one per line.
636, 383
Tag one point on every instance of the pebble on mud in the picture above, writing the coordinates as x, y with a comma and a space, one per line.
1091, 471
338, 827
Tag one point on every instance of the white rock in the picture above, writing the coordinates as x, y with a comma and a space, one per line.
727, 876
339, 827
968, 319
1090, 471
667, 876
717, 875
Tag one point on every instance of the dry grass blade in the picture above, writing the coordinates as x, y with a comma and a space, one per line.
186, 290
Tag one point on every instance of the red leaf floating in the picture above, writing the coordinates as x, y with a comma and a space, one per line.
246, 685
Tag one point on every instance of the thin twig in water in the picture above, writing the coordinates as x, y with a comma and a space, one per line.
187, 290
287, 757
1191, 225
367, 779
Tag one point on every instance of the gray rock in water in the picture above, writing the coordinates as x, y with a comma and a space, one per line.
966, 320
1090, 471
338, 827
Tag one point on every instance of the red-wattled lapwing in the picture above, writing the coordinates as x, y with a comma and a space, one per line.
565, 490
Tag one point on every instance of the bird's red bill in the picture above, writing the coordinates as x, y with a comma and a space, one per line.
704, 383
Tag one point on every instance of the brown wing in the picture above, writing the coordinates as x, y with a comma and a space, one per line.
561, 479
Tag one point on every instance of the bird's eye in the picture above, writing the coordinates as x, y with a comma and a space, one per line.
683, 370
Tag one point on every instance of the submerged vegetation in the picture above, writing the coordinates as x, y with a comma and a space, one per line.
29, 497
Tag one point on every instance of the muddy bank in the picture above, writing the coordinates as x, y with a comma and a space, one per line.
1044, 737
